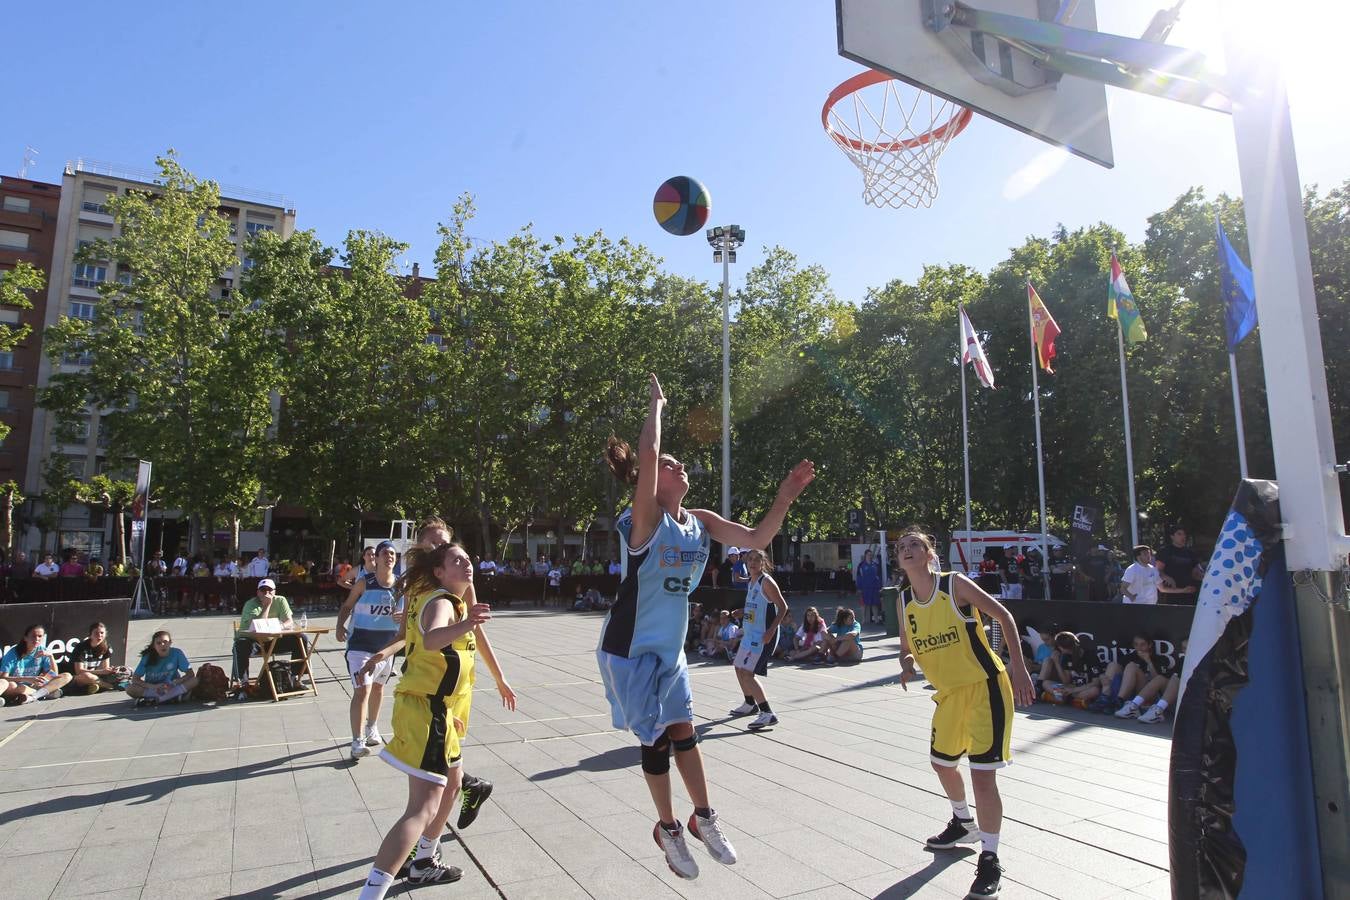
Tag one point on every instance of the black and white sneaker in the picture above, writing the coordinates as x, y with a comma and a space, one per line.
473, 794
429, 871
988, 877
958, 831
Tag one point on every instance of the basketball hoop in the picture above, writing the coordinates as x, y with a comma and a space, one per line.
898, 159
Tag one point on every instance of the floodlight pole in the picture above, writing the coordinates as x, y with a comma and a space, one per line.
724, 239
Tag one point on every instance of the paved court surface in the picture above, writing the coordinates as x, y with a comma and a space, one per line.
259, 800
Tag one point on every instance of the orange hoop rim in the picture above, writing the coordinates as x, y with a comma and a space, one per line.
946, 131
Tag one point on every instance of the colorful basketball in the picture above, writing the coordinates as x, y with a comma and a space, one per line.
681, 205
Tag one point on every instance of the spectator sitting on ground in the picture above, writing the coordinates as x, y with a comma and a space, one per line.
596, 600
1073, 673
694, 629
91, 667
1146, 675
266, 604
787, 631
1158, 711
579, 601
27, 672
725, 639
71, 568
163, 675
811, 637
845, 641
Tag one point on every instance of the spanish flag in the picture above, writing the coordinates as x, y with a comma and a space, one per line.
1043, 329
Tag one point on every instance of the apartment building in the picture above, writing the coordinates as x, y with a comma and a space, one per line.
82, 217
28, 228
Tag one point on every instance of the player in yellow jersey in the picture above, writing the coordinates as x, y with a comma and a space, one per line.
431, 709
940, 627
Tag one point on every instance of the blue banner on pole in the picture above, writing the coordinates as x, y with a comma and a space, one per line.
1235, 285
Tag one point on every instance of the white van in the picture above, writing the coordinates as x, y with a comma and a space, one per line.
967, 548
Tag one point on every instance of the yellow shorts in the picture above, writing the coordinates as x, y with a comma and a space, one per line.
975, 721
427, 734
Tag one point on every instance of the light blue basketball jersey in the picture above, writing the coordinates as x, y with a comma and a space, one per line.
651, 614
372, 622
758, 610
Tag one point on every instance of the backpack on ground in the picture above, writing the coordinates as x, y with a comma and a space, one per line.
213, 685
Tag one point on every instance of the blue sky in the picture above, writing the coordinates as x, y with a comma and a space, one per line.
570, 115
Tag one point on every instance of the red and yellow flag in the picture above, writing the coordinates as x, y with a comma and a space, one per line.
1043, 329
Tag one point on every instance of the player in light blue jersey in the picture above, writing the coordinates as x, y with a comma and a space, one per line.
370, 606
764, 610
641, 652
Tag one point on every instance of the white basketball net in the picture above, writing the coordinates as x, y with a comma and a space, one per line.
883, 137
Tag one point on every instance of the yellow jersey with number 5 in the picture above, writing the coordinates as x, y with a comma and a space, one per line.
948, 643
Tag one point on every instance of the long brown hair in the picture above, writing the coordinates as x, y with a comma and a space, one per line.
420, 576
622, 460
820, 623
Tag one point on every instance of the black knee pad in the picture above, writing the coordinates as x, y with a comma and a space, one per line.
683, 744
656, 759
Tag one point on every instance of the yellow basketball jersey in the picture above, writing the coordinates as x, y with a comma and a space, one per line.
949, 645
442, 672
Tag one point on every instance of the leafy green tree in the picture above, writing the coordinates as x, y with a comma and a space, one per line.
357, 433
112, 496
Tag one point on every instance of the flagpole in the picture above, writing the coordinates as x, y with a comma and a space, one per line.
965, 422
1040, 463
1237, 415
1129, 444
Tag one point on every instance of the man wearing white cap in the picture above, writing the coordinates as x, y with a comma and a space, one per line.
268, 604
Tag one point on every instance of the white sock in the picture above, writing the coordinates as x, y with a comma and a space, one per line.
1138, 700
1161, 705
41, 692
377, 884
426, 847
989, 842
960, 810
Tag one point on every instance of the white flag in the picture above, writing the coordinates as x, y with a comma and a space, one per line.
972, 352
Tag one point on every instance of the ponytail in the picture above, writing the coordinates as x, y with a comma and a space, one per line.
621, 460
420, 575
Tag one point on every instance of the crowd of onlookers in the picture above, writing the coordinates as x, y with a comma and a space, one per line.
29, 671
1140, 684
716, 635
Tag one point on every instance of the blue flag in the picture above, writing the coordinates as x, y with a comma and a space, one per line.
1239, 296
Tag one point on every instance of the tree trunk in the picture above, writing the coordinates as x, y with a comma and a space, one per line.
234, 536
7, 521
485, 527
119, 537
194, 534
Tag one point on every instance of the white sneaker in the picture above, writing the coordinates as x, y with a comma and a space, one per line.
709, 831
1128, 711
373, 736
678, 857
744, 709
359, 749
1152, 715
763, 720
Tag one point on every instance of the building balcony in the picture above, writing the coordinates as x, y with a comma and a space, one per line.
80, 287
95, 214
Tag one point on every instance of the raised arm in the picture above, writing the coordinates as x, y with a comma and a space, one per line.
759, 537
646, 512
